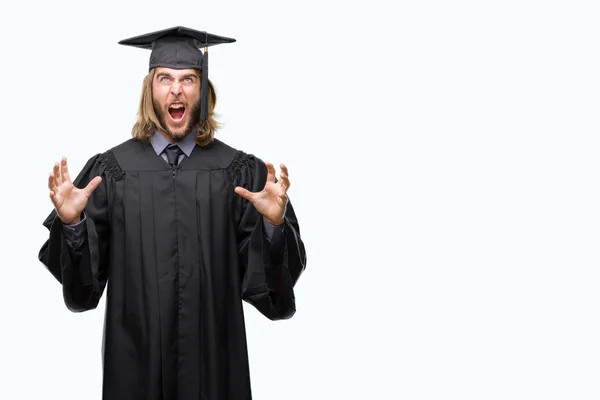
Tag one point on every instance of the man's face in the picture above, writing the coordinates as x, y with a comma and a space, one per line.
176, 97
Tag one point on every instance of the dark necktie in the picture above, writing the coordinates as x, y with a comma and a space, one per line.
173, 152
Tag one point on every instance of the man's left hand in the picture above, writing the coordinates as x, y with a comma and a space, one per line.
271, 202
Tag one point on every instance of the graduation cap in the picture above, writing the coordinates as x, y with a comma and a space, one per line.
179, 47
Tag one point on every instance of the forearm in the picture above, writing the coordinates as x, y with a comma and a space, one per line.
270, 230
66, 254
75, 234
273, 267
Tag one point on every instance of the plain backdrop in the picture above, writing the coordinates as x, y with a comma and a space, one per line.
444, 167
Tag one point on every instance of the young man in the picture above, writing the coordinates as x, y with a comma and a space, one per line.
180, 228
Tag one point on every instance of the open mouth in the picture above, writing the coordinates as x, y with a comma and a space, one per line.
176, 111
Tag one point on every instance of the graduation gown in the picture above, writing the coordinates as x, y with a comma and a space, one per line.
177, 251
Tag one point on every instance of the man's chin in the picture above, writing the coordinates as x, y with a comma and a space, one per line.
178, 132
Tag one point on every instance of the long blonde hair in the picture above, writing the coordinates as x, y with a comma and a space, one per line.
147, 120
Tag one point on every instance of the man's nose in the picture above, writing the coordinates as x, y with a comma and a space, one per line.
176, 88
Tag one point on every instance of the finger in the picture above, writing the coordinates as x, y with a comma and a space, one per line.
245, 193
285, 182
53, 197
64, 170
89, 189
283, 199
284, 169
270, 172
56, 171
51, 182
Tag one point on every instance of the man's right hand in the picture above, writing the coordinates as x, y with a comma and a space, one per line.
68, 200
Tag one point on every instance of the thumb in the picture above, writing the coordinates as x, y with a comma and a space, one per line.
245, 193
94, 183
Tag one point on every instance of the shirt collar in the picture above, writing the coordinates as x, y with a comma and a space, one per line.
159, 143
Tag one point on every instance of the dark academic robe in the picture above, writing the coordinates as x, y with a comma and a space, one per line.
177, 251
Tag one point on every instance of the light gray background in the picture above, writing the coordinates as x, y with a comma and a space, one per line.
444, 167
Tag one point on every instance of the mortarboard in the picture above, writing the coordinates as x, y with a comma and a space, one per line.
179, 47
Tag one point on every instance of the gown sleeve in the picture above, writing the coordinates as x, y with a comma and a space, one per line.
270, 267
81, 270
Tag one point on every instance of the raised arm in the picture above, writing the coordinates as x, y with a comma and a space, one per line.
76, 252
271, 266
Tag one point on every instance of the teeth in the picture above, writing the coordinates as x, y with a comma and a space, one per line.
176, 106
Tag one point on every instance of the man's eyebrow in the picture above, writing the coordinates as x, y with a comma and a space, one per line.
190, 75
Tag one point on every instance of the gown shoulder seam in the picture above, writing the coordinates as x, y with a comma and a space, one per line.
111, 165
240, 160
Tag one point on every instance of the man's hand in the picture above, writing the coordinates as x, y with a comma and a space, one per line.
271, 202
68, 200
